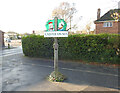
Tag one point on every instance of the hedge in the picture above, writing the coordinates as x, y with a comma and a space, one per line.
104, 48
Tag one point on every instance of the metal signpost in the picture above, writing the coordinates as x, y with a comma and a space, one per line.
56, 28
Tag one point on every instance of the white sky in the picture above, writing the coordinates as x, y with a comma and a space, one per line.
27, 15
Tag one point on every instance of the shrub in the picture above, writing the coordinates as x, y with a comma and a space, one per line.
103, 48
37, 46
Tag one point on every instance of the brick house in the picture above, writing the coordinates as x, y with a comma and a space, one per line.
106, 23
1, 38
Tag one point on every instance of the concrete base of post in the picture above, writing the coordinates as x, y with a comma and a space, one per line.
56, 77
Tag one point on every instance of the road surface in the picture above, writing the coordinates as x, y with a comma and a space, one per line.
20, 73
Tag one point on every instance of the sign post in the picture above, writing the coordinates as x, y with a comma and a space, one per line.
56, 28
55, 45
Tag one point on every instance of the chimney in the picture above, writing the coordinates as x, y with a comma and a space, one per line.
98, 13
33, 32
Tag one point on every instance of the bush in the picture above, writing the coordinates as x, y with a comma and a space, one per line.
104, 48
37, 46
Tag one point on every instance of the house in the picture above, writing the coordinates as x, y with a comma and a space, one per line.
1, 38
12, 35
108, 22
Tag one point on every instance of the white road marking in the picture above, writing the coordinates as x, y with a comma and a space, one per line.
75, 70
89, 71
11, 54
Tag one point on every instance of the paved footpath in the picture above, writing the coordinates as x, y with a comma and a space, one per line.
20, 73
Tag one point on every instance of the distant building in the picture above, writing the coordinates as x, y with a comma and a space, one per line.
71, 33
106, 23
39, 33
2, 39
81, 32
11, 35
84, 32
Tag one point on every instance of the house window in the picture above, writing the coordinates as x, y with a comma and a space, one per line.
107, 24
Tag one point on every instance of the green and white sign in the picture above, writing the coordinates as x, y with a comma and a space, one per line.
60, 24
56, 34
50, 25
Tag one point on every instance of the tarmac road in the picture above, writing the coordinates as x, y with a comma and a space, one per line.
20, 73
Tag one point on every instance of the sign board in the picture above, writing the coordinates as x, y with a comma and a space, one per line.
50, 25
60, 26
56, 34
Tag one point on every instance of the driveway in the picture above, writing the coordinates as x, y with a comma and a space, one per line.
20, 73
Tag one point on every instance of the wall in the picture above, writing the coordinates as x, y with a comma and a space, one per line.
118, 27
113, 29
1, 38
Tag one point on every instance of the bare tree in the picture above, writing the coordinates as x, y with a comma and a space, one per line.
88, 27
65, 11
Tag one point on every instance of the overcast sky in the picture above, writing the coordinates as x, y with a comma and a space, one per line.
27, 15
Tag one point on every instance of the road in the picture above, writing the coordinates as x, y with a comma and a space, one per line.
9, 52
5, 64
20, 73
